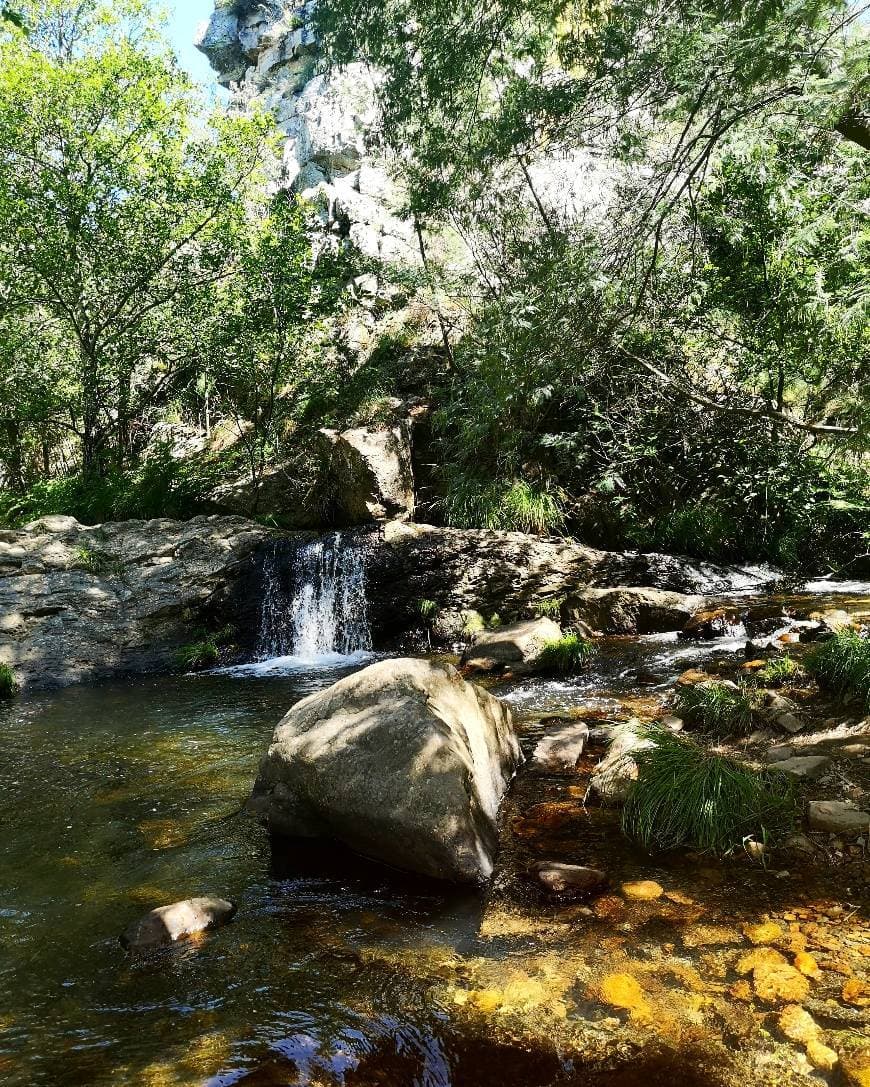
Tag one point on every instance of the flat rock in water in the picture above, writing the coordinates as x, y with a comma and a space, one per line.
837, 817
517, 646
167, 924
560, 750
565, 879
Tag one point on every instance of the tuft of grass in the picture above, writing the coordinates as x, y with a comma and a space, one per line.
96, 562
197, 655
718, 708
472, 623
513, 506
427, 608
842, 665
8, 682
566, 655
779, 670
688, 797
549, 608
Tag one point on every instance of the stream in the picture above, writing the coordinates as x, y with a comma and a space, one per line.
117, 798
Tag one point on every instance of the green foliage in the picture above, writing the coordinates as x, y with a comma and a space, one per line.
197, 655
472, 623
205, 650
717, 708
427, 608
779, 670
566, 655
551, 607
96, 562
161, 487
842, 665
512, 507
8, 682
686, 796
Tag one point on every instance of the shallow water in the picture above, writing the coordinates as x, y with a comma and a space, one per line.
117, 798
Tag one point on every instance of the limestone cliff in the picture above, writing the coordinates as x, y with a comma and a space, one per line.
266, 54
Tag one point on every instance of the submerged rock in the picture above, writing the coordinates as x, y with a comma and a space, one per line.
561, 749
167, 924
567, 879
405, 762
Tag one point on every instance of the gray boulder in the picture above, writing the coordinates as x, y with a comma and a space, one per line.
837, 817
618, 770
630, 610
404, 762
517, 646
371, 473
167, 924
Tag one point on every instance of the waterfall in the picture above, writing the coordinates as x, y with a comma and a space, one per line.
314, 599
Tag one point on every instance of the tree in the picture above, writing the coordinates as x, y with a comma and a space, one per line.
120, 213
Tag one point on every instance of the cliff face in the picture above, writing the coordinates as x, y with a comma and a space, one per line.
266, 53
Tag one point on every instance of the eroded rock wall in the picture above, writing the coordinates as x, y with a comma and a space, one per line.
78, 603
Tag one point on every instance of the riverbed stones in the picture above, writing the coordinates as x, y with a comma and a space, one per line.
837, 817
167, 924
561, 749
517, 646
643, 890
404, 762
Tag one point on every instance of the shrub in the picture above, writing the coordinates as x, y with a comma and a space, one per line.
427, 608
718, 708
842, 665
779, 670
8, 682
566, 655
686, 796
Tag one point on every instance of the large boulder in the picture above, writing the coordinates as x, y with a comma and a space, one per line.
371, 474
404, 762
631, 610
517, 646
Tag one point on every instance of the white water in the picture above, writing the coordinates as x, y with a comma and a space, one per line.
315, 613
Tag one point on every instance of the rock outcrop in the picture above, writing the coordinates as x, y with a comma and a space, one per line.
83, 603
404, 762
630, 610
371, 474
266, 53
507, 574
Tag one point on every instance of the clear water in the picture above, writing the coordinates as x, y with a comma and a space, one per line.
118, 798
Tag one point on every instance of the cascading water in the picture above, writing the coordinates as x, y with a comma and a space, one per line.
314, 600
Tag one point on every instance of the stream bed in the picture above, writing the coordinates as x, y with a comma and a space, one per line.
117, 798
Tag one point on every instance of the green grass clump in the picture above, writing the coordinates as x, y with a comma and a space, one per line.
427, 608
688, 797
197, 655
780, 670
566, 655
717, 708
550, 608
513, 506
842, 665
8, 682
